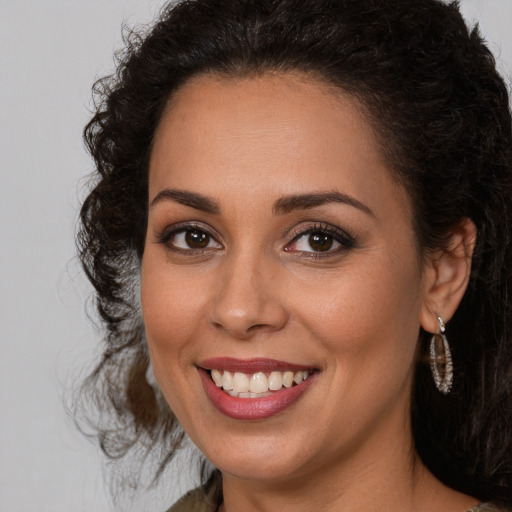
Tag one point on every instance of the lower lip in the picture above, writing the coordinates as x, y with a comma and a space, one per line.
253, 408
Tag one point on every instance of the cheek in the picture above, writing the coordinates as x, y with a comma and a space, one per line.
171, 311
371, 314
170, 317
367, 329
171, 298
168, 313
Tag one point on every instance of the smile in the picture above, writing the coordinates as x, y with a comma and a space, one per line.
254, 389
256, 385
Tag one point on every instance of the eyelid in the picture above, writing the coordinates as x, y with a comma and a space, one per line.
346, 240
165, 235
314, 226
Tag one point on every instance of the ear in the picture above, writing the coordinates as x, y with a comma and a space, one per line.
447, 274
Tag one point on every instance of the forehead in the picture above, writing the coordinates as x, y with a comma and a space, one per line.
278, 133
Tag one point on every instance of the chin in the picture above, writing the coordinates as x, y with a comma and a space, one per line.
258, 458
259, 469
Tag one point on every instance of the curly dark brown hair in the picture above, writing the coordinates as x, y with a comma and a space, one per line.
431, 90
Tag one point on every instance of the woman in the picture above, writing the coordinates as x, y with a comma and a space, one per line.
315, 195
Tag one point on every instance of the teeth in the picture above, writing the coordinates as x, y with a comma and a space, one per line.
275, 381
251, 395
258, 384
227, 381
217, 378
240, 383
288, 379
299, 377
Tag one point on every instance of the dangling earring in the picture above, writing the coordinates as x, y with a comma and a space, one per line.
151, 377
441, 360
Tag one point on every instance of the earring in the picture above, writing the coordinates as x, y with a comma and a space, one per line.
150, 376
441, 360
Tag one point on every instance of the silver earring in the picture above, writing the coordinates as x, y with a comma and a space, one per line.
150, 377
441, 360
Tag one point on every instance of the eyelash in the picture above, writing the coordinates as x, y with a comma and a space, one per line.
166, 236
345, 240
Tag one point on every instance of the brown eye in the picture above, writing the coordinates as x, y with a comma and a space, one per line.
189, 239
320, 241
196, 239
324, 238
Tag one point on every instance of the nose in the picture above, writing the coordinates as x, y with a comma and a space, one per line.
247, 300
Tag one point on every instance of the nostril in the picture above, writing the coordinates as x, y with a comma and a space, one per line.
259, 327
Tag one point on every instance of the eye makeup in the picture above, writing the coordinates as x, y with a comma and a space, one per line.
319, 239
311, 240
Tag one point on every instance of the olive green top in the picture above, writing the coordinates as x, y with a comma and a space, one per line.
194, 501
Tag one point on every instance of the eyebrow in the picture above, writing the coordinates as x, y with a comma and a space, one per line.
192, 199
282, 206
304, 201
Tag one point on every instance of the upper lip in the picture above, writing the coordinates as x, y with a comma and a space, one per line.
255, 365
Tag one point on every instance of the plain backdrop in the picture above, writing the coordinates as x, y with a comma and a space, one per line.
51, 52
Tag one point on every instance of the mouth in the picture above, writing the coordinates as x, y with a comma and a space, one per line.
257, 385
254, 389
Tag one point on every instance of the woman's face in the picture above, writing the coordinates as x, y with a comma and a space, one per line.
277, 242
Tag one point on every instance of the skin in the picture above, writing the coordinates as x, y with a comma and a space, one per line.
259, 289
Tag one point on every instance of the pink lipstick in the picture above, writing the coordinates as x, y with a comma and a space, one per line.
255, 407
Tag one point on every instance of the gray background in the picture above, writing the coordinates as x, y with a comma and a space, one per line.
51, 52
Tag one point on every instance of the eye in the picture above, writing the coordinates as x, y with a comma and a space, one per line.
315, 242
321, 239
189, 239
318, 242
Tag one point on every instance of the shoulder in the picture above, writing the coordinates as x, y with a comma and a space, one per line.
193, 501
490, 507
